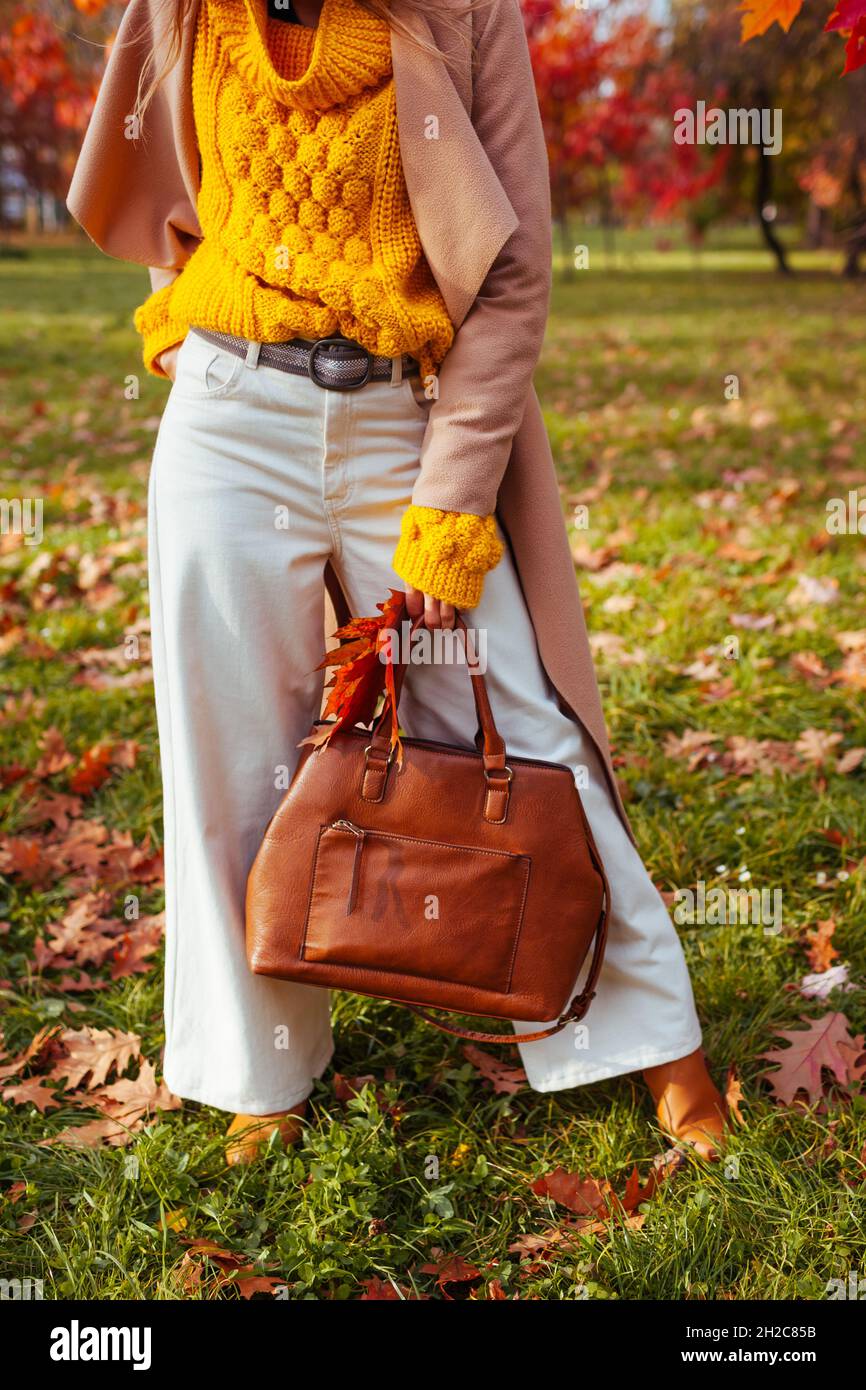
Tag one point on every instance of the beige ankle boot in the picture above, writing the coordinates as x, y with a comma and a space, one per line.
689, 1107
247, 1135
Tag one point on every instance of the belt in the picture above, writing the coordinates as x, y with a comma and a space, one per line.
336, 364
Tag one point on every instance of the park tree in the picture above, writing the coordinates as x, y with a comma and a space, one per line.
51, 62
607, 91
831, 160
799, 73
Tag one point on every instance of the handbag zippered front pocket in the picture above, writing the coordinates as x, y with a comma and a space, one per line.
404, 906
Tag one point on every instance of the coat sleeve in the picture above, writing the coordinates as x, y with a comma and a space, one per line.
134, 191
486, 377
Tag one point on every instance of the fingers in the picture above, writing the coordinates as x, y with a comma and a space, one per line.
167, 360
436, 613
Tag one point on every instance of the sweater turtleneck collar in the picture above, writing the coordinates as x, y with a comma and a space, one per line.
348, 51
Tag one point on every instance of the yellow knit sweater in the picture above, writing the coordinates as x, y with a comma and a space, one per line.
306, 225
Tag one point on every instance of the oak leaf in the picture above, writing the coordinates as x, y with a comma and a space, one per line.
94, 1053
38, 1043
824, 1045
33, 1091
506, 1080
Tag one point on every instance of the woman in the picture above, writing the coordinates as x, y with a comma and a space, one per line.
374, 173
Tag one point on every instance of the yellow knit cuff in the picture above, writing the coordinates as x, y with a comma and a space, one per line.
158, 328
447, 554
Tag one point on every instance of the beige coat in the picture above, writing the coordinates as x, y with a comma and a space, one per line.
476, 169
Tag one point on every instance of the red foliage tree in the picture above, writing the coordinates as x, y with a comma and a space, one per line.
608, 93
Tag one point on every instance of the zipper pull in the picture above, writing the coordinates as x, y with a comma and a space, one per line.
356, 862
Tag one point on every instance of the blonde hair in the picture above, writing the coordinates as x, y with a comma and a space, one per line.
448, 11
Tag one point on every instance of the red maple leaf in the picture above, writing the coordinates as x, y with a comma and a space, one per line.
364, 669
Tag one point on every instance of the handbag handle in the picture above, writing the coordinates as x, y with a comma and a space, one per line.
579, 1004
496, 772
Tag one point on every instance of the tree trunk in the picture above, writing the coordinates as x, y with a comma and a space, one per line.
816, 226
856, 238
763, 194
607, 220
763, 190
561, 215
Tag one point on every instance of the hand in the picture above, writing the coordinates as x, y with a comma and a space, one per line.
167, 359
436, 612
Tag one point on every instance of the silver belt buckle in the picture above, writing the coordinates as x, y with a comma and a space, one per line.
354, 350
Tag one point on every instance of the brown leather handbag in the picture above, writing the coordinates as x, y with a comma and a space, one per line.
464, 879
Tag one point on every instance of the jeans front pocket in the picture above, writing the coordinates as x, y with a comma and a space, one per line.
413, 387
205, 371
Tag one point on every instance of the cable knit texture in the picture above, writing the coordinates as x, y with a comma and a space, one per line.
447, 554
305, 216
307, 228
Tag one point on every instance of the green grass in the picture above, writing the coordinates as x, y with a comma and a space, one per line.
633, 384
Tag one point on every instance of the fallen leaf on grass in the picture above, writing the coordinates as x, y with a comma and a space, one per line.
745, 756
81, 984
734, 1094
695, 745
136, 947
56, 807
821, 952
378, 1290
811, 667
229, 1268
850, 760
705, 668
347, 1087
33, 1091
94, 1053
505, 1079
451, 1272
92, 1135
821, 985
824, 1045
595, 1203
815, 746
38, 1043
126, 1106
585, 1196
93, 770
809, 590
131, 1099
55, 755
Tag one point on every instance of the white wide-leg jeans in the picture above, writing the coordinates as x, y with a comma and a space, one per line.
258, 479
